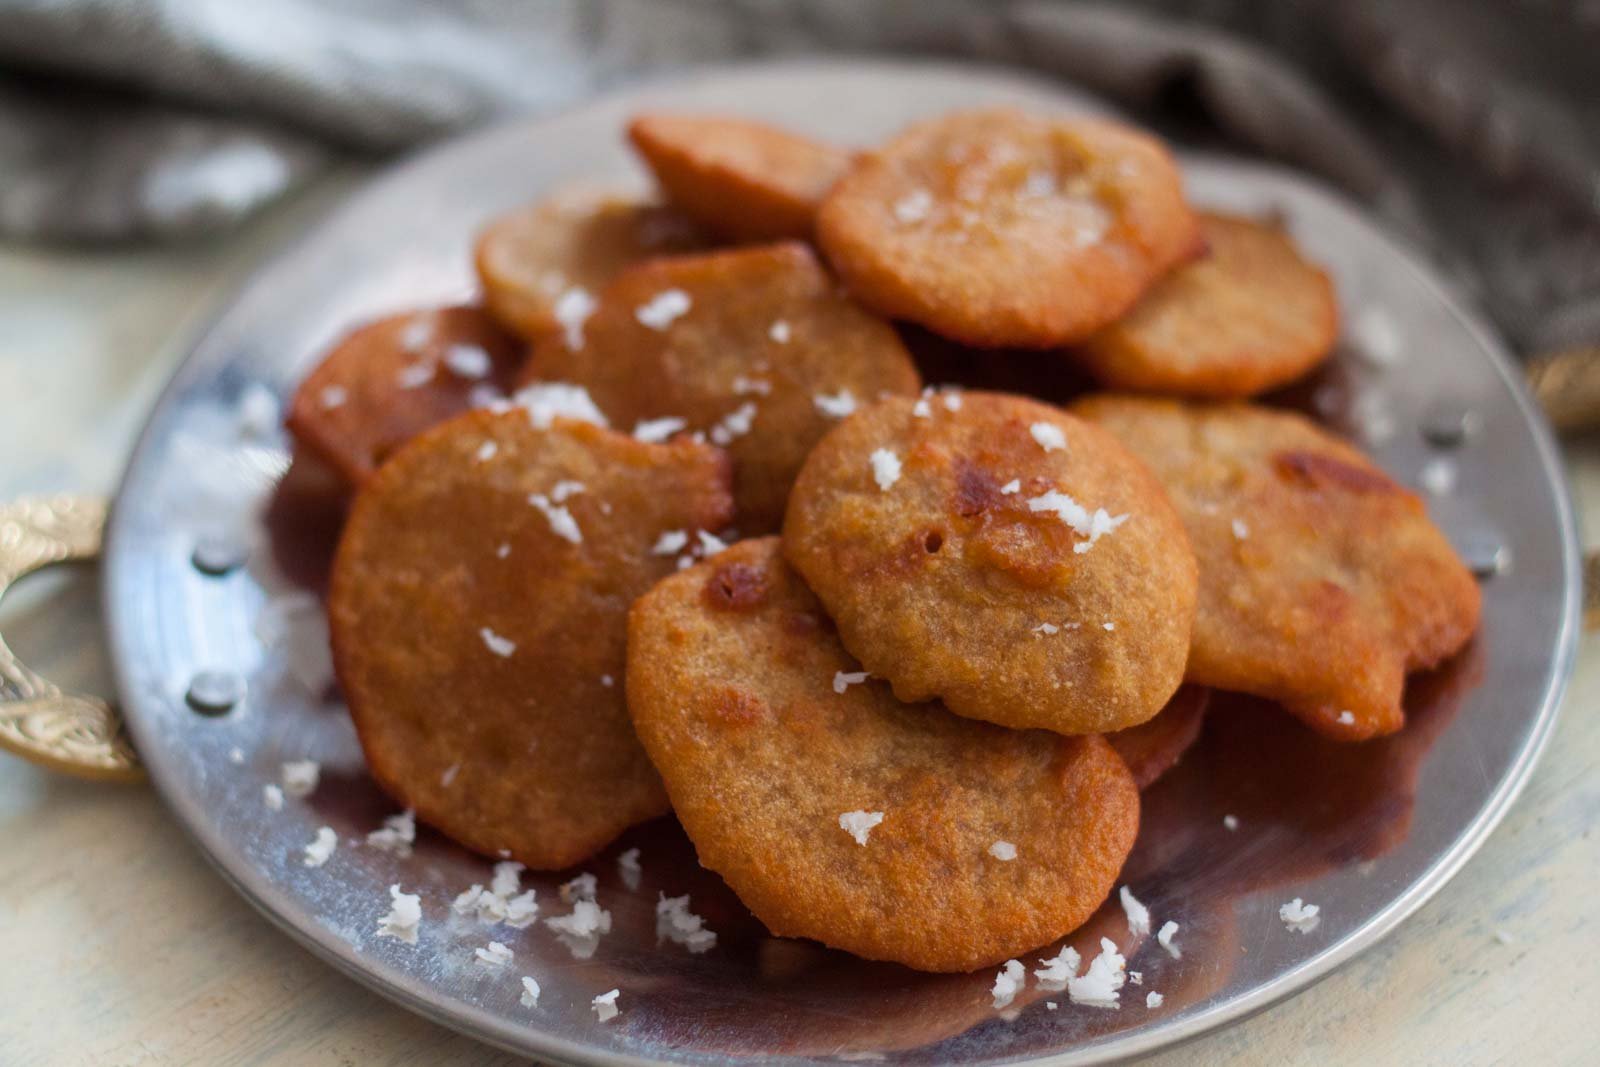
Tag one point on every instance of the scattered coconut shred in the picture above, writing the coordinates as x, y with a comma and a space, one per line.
405, 916
580, 930
1093, 525
670, 543
500, 903
858, 824
664, 309
493, 955
654, 431
300, 777
1008, 983
1004, 851
1049, 436
628, 867
885, 468
500, 646
1300, 917
605, 1006
272, 797
549, 401
573, 310
397, 835
321, 847
843, 680
530, 992
1138, 914
676, 923
1097, 987
1164, 936
562, 524
836, 406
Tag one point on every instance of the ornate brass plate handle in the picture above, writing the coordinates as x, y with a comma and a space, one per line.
74, 733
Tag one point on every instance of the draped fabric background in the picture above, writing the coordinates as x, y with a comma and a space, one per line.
1473, 125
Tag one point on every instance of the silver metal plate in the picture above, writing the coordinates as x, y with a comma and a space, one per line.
1366, 832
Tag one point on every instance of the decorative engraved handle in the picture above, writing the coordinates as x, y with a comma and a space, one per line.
69, 732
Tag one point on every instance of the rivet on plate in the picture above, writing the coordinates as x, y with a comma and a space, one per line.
216, 556
214, 692
1449, 426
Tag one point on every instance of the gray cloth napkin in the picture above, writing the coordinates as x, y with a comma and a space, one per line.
1472, 124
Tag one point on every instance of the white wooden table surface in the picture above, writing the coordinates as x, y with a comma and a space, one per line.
119, 946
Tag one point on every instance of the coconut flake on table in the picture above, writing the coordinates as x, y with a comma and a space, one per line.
572, 310
530, 992
1049, 436
843, 680
710, 543
858, 824
734, 424
654, 431
1438, 476
885, 468
300, 777
836, 406
676, 923
405, 916
1013, 486
467, 361
321, 847
1164, 936
1240, 530
259, 413
272, 797
507, 878
584, 887
1056, 971
743, 386
913, 207
628, 867
1008, 983
605, 1006
562, 524
1097, 987
548, 401
522, 910
581, 929
1004, 851
1092, 525
779, 332
1300, 917
1138, 915
397, 834
670, 542
294, 626
333, 396
663, 309
500, 646
494, 954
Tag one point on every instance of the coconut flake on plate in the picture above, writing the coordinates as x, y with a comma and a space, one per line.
405, 916
676, 923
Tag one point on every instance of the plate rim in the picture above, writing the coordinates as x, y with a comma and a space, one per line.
482, 1025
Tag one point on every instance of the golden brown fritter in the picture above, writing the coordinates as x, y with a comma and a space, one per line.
391, 379
755, 347
999, 228
735, 687
569, 245
1248, 316
1322, 581
742, 179
1153, 748
478, 611
1004, 557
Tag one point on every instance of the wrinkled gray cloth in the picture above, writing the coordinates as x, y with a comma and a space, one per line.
1472, 124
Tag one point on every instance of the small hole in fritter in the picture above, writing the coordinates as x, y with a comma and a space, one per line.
933, 541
